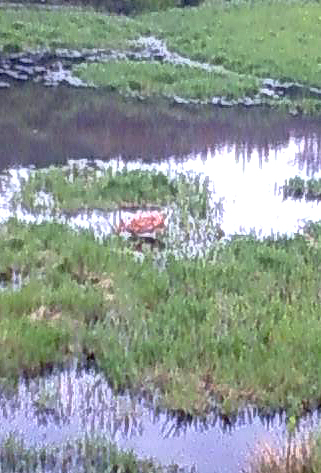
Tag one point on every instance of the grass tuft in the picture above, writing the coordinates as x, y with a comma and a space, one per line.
298, 456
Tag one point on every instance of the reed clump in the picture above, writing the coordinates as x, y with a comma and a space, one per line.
297, 456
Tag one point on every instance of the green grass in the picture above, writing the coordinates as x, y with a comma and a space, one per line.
240, 324
266, 39
148, 79
66, 27
275, 39
94, 455
250, 40
297, 188
75, 189
298, 456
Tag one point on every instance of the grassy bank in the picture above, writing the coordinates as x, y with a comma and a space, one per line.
23, 28
152, 79
241, 324
278, 40
264, 39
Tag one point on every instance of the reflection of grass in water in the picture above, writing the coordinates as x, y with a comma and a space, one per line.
95, 455
148, 79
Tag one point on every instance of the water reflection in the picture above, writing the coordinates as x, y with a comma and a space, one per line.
249, 192
43, 126
68, 405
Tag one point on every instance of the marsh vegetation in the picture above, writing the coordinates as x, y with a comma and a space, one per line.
205, 321
297, 456
215, 320
214, 328
75, 189
96, 455
297, 188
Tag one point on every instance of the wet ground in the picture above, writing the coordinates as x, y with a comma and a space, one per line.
247, 155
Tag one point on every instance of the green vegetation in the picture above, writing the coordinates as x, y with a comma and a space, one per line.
96, 456
23, 28
135, 6
298, 456
152, 78
251, 41
76, 189
266, 39
297, 188
239, 324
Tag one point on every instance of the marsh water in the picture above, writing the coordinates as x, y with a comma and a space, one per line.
246, 153
71, 404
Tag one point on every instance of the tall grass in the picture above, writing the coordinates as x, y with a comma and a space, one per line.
298, 456
240, 323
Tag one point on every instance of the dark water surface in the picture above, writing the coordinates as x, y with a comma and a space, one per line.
44, 126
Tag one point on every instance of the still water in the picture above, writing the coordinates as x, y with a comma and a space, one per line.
70, 404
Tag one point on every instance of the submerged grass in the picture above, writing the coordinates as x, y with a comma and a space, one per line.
240, 324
